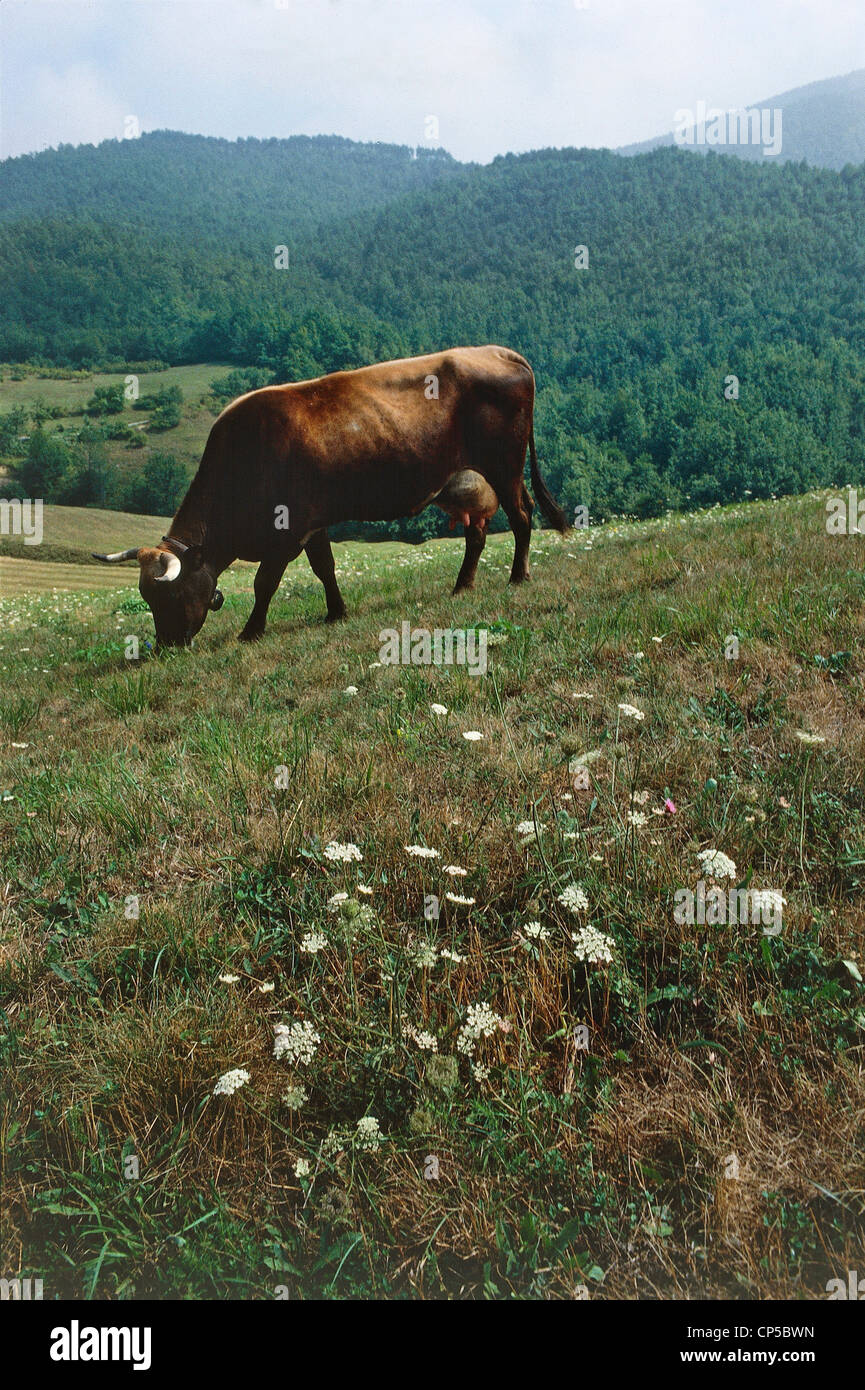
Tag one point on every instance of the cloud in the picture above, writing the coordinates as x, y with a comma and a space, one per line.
74, 104
499, 74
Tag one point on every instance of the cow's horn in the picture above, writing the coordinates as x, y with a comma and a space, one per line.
116, 559
171, 571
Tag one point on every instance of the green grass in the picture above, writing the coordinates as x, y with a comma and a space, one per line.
193, 381
561, 1167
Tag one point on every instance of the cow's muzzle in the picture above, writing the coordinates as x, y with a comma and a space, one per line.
217, 601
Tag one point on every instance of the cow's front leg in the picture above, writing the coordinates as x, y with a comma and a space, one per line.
476, 539
320, 557
267, 579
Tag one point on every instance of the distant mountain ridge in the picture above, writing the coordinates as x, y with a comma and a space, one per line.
823, 123
709, 345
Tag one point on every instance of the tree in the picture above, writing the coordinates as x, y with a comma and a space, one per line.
157, 489
106, 400
42, 472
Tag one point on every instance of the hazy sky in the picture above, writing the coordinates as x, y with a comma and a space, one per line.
499, 75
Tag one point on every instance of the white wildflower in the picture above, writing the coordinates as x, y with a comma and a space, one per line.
528, 832
592, 946
230, 1082
631, 712
428, 1042
368, 1134
536, 931
301, 1168
346, 853
332, 1144
574, 898
312, 943
422, 852
481, 1021
716, 865
296, 1041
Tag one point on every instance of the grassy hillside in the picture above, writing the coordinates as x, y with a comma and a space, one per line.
23, 387
22, 390
708, 1140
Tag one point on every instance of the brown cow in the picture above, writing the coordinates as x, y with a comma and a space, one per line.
283, 463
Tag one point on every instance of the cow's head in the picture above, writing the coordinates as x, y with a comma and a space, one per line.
177, 584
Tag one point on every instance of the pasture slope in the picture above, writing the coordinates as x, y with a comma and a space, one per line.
708, 1139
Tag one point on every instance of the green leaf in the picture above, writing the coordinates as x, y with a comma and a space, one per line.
668, 992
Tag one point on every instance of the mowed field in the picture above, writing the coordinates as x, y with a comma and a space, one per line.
70, 535
440, 1084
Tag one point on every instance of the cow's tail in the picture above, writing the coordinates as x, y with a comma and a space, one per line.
544, 498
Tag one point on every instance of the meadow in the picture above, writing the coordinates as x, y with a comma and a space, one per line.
259, 1037
22, 388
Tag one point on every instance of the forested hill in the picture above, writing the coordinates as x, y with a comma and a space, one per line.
699, 271
210, 189
823, 123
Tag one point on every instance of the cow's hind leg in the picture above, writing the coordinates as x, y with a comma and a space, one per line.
320, 557
476, 538
267, 579
518, 507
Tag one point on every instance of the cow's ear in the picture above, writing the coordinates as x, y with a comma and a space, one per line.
193, 558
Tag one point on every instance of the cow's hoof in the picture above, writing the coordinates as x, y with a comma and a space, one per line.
463, 588
250, 634
336, 617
